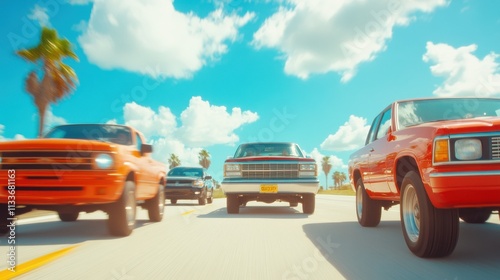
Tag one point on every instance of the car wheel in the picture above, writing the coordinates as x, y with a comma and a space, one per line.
156, 205
121, 219
68, 216
428, 231
173, 201
474, 215
368, 210
294, 204
308, 203
232, 204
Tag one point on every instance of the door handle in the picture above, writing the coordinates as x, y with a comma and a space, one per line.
372, 150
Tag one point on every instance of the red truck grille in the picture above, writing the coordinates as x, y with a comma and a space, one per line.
270, 170
46, 160
495, 147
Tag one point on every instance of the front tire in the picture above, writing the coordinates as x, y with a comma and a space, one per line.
121, 219
429, 232
156, 205
474, 215
232, 204
68, 216
308, 203
368, 211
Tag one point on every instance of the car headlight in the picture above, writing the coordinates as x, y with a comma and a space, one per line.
307, 167
103, 161
468, 149
198, 184
232, 170
232, 167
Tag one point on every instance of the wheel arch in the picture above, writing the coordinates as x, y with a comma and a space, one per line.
404, 165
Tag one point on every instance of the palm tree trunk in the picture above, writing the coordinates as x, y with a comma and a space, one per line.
41, 121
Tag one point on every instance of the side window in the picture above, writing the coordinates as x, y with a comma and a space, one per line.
385, 124
138, 141
373, 128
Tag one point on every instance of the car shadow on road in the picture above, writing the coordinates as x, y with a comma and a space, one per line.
58, 232
381, 252
258, 212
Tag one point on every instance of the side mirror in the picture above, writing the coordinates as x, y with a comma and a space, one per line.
146, 148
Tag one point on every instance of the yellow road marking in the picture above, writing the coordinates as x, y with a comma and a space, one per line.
35, 263
188, 212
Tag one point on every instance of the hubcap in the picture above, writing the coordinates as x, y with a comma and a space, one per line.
359, 202
411, 213
130, 208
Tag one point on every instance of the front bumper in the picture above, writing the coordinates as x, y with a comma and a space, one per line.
65, 188
464, 189
183, 193
290, 186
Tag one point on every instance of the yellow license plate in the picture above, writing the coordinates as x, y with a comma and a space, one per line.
268, 188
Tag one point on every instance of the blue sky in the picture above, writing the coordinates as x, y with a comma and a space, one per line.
212, 74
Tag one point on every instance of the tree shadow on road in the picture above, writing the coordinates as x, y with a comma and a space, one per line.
381, 252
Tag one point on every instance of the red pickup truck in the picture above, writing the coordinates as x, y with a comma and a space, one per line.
439, 158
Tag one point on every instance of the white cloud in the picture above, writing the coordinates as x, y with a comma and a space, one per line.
172, 43
319, 36
464, 73
349, 136
162, 123
51, 120
16, 137
205, 124
202, 125
336, 162
39, 14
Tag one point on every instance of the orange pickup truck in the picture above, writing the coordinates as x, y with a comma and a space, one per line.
82, 168
439, 158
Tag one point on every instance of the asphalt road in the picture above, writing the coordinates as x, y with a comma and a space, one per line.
264, 241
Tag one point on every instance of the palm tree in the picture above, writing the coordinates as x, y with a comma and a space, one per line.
58, 78
173, 161
336, 178
342, 178
204, 157
325, 163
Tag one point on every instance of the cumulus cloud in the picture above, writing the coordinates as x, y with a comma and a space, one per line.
79, 2
319, 36
336, 162
205, 124
40, 15
3, 138
140, 36
201, 125
349, 136
51, 120
465, 74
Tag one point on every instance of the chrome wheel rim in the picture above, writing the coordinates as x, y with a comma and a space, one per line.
411, 213
130, 208
359, 202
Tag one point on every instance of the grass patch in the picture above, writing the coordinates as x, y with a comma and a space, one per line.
218, 193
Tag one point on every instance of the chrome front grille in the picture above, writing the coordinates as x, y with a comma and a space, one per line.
270, 170
46, 160
495, 147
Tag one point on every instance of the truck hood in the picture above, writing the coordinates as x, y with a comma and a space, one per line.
270, 158
482, 124
58, 144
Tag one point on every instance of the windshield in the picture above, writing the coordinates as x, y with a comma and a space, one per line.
102, 132
430, 110
186, 172
268, 149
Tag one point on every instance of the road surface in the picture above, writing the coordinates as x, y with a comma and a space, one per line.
264, 241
